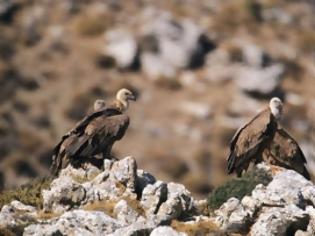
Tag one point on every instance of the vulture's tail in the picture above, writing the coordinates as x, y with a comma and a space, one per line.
231, 163
306, 174
56, 164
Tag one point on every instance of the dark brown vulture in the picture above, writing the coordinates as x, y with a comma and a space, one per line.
285, 152
91, 140
250, 141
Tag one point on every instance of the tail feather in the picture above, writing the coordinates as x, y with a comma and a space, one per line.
231, 163
56, 164
306, 174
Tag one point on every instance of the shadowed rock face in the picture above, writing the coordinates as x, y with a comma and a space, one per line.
122, 200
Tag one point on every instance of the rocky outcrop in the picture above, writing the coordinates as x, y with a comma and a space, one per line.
280, 208
122, 200
119, 200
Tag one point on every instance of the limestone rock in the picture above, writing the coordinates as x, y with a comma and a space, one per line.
124, 213
166, 230
64, 194
16, 213
153, 196
179, 202
280, 221
76, 222
138, 228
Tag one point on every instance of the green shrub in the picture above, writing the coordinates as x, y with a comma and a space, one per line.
237, 187
29, 193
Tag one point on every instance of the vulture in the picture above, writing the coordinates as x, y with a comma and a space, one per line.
285, 152
91, 140
250, 141
262, 140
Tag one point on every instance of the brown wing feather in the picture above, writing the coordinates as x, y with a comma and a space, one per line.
249, 140
287, 153
72, 141
100, 135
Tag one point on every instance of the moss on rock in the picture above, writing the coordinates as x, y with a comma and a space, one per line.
237, 187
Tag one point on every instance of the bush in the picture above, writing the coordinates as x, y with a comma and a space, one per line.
237, 187
29, 194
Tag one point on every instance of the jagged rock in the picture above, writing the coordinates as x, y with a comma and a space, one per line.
274, 193
138, 228
124, 213
166, 230
153, 196
178, 203
311, 226
122, 46
280, 221
118, 180
276, 208
76, 222
259, 81
16, 213
232, 216
64, 194
143, 179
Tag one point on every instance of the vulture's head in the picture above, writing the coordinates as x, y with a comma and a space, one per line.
124, 96
99, 104
276, 106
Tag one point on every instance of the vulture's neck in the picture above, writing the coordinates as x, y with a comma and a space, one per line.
276, 113
121, 105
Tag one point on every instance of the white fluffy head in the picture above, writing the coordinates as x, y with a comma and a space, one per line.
124, 96
99, 104
276, 106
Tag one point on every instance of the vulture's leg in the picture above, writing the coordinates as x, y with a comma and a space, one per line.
107, 154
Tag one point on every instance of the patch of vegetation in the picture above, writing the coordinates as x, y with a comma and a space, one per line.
29, 193
14, 231
237, 187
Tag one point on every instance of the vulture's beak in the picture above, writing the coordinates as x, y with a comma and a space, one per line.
132, 97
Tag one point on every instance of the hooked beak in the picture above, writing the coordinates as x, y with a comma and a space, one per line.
132, 97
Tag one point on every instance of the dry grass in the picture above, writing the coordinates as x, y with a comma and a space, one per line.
46, 215
107, 206
29, 194
204, 227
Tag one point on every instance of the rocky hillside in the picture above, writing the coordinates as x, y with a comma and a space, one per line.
200, 70
125, 200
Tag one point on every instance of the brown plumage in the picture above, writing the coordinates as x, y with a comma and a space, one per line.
91, 140
250, 141
284, 151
